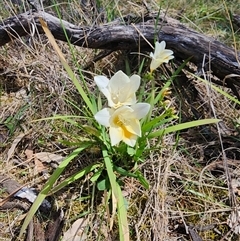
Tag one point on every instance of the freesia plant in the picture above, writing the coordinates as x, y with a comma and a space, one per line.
123, 130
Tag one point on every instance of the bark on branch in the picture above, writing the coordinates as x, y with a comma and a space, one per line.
183, 41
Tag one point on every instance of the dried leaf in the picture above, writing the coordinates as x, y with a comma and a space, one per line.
233, 221
236, 185
194, 235
39, 167
78, 231
29, 154
51, 39
48, 157
14, 145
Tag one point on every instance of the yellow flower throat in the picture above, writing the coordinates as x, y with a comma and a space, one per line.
121, 122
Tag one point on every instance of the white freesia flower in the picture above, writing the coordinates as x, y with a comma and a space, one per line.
160, 55
123, 122
120, 89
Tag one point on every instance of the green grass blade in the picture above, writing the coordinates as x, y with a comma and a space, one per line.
78, 86
160, 120
74, 177
42, 195
111, 175
142, 179
182, 126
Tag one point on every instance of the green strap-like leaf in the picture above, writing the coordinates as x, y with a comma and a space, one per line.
182, 126
47, 187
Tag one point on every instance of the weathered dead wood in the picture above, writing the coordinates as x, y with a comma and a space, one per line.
185, 42
236, 20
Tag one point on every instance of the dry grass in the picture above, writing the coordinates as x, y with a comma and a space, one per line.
187, 178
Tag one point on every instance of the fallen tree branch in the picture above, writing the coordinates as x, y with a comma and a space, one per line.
220, 59
236, 20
